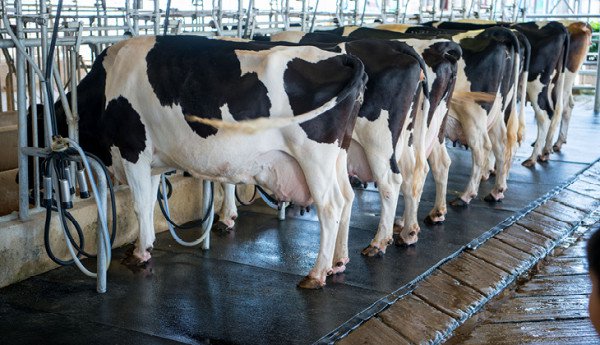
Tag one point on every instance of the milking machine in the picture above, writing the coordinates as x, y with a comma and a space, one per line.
65, 167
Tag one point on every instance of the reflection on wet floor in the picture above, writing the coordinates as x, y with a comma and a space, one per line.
550, 308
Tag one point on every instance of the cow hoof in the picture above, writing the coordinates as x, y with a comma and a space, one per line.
429, 220
372, 251
400, 242
134, 260
528, 163
543, 158
459, 202
221, 228
340, 266
491, 198
556, 148
310, 283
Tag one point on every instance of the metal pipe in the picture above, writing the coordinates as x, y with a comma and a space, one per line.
22, 120
303, 15
102, 254
43, 41
156, 17
207, 206
286, 15
34, 131
312, 23
597, 95
240, 16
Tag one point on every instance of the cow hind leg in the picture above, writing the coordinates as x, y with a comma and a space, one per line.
479, 142
412, 188
439, 161
389, 190
543, 124
329, 202
498, 138
340, 255
564, 125
228, 213
143, 186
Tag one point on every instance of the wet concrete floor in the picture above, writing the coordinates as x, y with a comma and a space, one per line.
243, 290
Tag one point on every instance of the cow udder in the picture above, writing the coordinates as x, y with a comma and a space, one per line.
282, 174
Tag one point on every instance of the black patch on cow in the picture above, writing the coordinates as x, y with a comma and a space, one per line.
394, 70
310, 85
486, 62
549, 46
124, 129
202, 75
441, 57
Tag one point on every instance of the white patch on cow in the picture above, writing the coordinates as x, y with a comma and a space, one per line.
395, 27
288, 36
349, 29
466, 34
265, 62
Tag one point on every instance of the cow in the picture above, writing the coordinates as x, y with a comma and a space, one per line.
231, 112
440, 56
386, 146
482, 123
550, 48
431, 28
580, 38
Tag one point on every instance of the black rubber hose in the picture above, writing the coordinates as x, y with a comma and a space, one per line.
47, 163
190, 225
267, 196
49, 63
237, 197
66, 215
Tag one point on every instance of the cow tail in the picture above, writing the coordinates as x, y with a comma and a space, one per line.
512, 125
421, 146
424, 104
526, 48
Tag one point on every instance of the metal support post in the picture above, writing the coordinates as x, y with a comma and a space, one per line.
156, 17
303, 15
22, 118
286, 15
281, 211
240, 17
102, 258
207, 206
34, 129
597, 95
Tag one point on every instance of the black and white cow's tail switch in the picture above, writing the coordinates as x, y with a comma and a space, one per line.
264, 123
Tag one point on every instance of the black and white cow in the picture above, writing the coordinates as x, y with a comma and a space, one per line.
580, 39
440, 56
489, 66
546, 78
386, 143
281, 117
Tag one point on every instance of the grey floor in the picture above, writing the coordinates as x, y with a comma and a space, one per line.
244, 289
